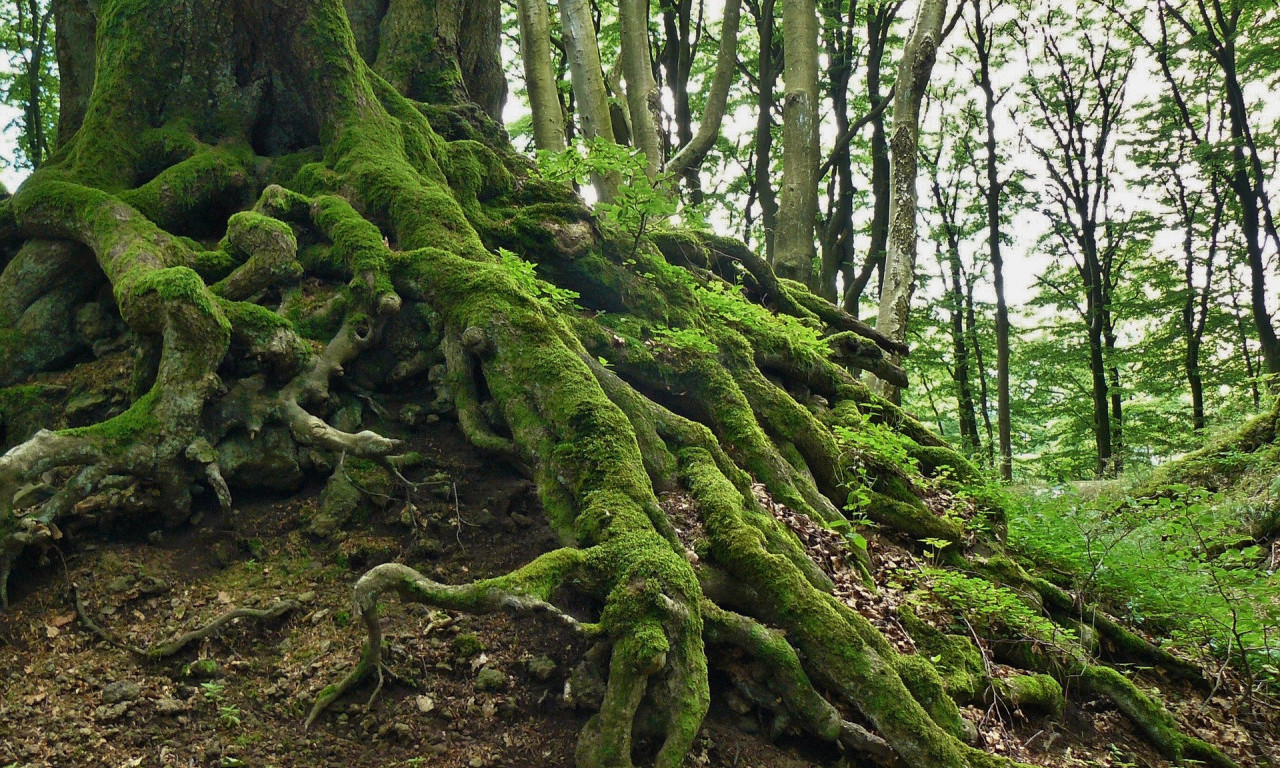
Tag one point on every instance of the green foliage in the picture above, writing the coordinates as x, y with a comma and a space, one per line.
1184, 565
639, 201
32, 71
722, 300
526, 276
993, 610
867, 450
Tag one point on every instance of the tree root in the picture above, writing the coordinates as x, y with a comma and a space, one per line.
526, 590
176, 645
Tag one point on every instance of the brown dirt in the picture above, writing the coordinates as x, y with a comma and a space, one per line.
59, 683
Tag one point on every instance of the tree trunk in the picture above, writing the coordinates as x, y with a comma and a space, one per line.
770, 49
793, 251
992, 193
879, 21
540, 80
590, 97
642, 92
900, 259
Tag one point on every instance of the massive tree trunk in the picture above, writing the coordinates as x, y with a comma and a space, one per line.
275, 222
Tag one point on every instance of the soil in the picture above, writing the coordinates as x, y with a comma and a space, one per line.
467, 691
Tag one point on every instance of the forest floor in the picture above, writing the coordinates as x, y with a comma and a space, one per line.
469, 691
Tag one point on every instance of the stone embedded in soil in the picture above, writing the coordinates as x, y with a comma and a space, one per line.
121, 690
541, 668
107, 713
490, 679
168, 705
204, 669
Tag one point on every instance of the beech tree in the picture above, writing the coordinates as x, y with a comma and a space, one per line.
284, 202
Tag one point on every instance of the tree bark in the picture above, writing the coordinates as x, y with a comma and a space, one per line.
590, 97
794, 252
900, 259
643, 101
540, 80
992, 191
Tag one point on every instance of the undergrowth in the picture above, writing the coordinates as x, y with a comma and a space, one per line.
1194, 566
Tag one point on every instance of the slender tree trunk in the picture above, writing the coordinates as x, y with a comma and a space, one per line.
984, 400
794, 253
1250, 224
770, 49
992, 193
643, 101
879, 20
590, 97
540, 80
686, 162
960, 373
900, 259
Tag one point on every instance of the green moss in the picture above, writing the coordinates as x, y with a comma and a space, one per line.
957, 659
1032, 691
466, 645
139, 419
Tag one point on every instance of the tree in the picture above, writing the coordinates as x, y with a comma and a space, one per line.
1080, 99
290, 229
31, 81
982, 33
794, 253
544, 96
918, 56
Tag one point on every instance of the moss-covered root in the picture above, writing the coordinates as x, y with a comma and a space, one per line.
1040, 692
788, 687
842, 651
1155, 722
525, 590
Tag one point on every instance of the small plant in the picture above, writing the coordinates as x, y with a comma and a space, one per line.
229, 715
213, 691
993, 609
638, 202
526, 276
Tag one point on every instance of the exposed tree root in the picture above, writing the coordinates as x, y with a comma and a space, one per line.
176, 645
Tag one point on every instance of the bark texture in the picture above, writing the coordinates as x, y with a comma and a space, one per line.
900, 259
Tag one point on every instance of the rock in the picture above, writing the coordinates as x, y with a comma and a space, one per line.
490, 679
465, 646
121, 690
269, 461
349, 417
170, 706
412, 415
541, 668
476, 762
485, 519
307, 597
425, 704
338, 502
81, 405
204, 669
107, 713
120, 584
